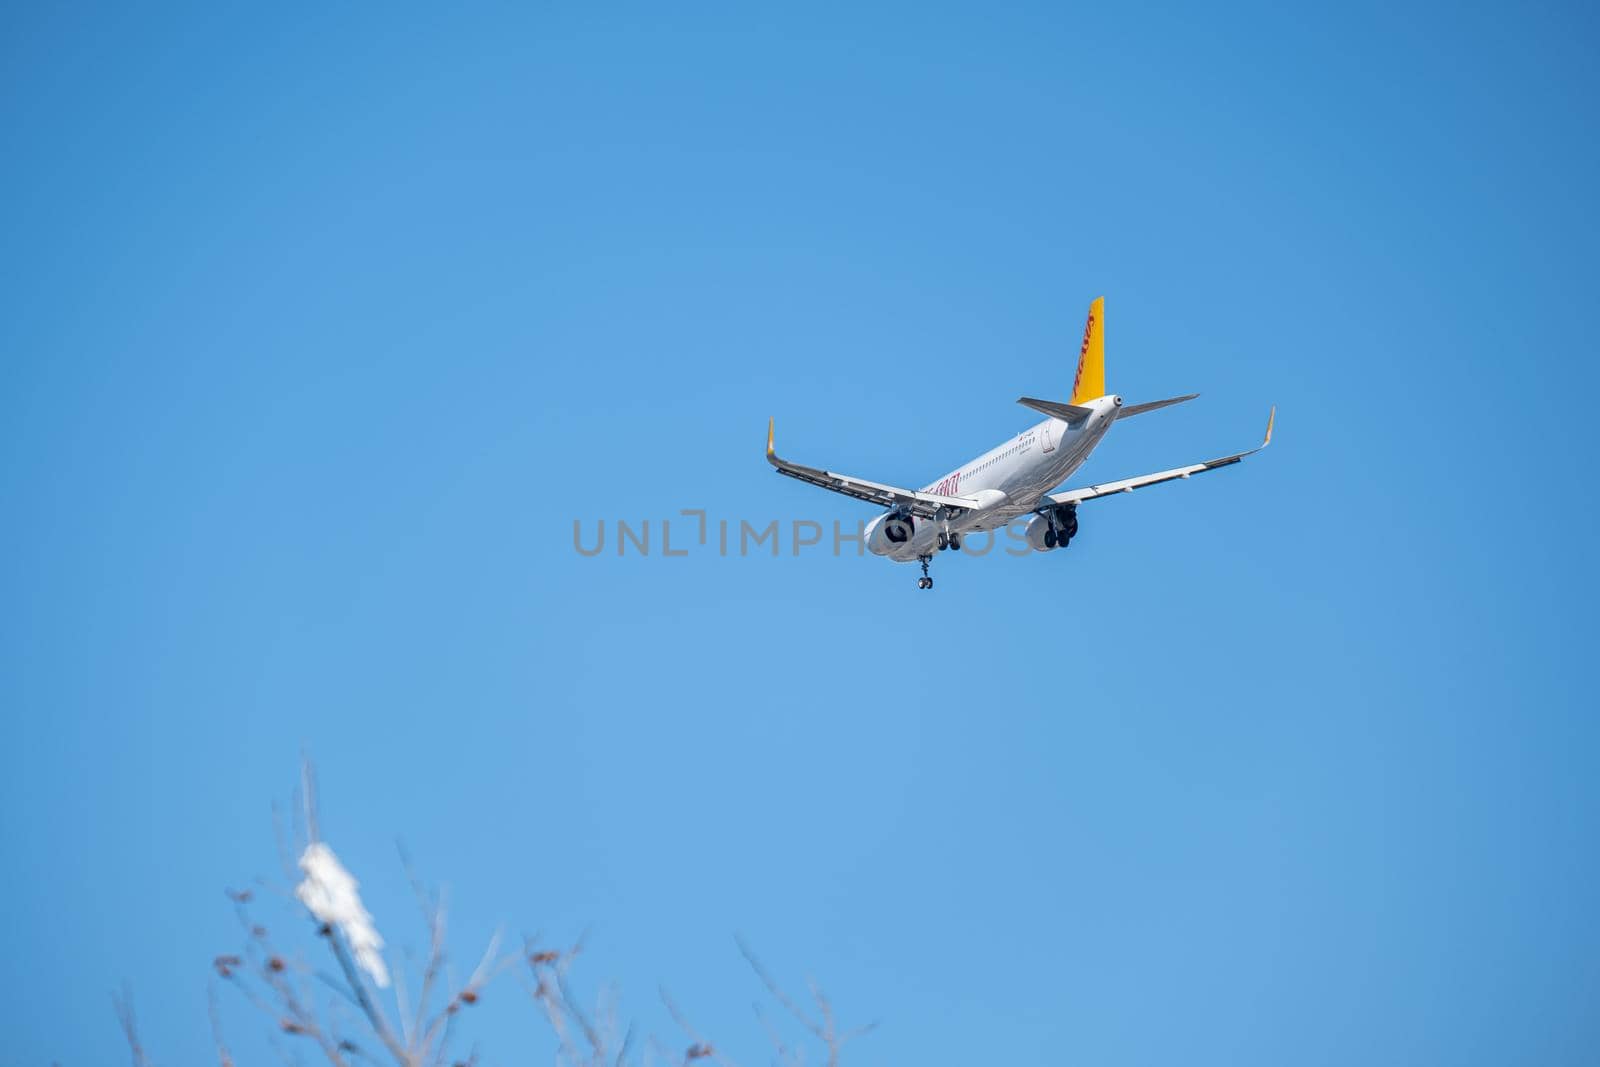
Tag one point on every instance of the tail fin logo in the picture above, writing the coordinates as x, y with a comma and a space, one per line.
1083, 352
1089, 383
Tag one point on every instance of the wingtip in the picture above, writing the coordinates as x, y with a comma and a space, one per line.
1271, 416
771, 426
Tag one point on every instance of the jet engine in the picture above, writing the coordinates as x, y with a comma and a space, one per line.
1052, 528
889, 533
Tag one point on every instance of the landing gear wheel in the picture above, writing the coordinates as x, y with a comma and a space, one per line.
944, 542
955, 542
925, 582
1063, 526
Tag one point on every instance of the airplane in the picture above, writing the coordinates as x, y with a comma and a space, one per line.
1013, 478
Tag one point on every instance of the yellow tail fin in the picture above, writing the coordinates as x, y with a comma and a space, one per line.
1090, 384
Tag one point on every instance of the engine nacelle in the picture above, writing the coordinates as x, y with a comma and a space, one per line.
890, 533
1035, 531
1051, 529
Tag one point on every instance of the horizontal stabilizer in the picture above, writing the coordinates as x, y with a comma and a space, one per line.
1069, 412
1153, 405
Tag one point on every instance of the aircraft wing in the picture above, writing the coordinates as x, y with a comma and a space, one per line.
1128, 485
924, 505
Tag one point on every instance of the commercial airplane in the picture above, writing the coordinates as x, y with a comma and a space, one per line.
1014, 478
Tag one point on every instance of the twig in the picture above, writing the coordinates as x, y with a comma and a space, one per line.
224, 1057
775, 989
701, 1049
826, 1031
785, 1053
308, 797
123, 1002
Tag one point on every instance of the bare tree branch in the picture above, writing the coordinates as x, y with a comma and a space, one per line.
358, 986
701, 1048
775, 989
288, 990
826, 1030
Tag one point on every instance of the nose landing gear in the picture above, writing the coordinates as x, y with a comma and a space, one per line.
925, 582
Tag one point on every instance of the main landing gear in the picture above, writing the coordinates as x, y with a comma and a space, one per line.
1063, 527
946, 539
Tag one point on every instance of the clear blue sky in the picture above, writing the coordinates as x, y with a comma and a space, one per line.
320, 329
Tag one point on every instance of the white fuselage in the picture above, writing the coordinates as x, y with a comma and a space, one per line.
1007, 481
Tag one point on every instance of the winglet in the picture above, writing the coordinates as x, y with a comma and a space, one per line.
772, 425
1273, 414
